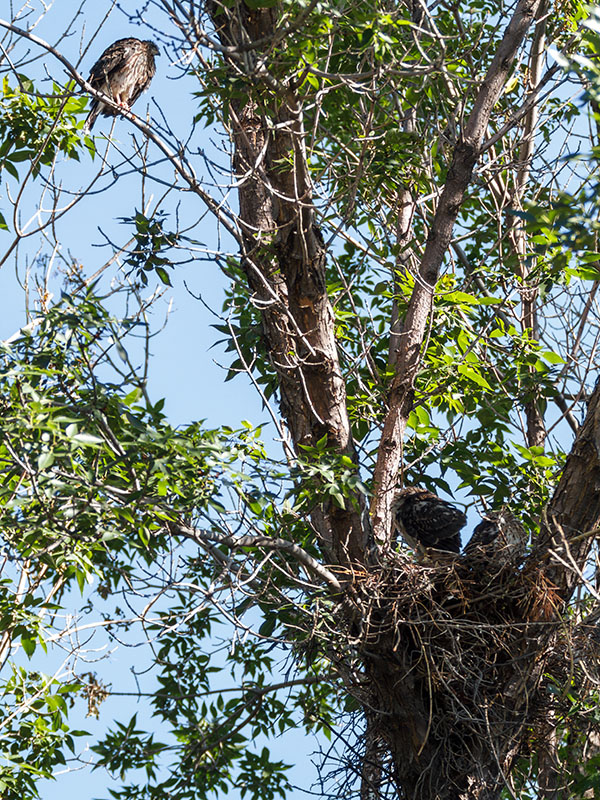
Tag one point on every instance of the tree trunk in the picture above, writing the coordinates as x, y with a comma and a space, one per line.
452, 684
284, 260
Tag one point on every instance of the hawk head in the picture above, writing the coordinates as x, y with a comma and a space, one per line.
499, 533
152, 48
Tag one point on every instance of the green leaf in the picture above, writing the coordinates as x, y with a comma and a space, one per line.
28, 646
163, 275
45, 460
86, 439
120, 349
268, 626
461, 298
474, 376
551, 358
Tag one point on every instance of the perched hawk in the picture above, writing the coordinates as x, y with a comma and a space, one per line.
424, 518
123, 72
499, 534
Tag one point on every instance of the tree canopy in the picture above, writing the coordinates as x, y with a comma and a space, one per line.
401, 202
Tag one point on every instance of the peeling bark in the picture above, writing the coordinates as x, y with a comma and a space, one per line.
284, 259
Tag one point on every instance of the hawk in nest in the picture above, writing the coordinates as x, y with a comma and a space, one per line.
499, 534
424, 518
123, 72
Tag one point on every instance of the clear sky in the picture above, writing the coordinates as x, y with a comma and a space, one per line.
183, 368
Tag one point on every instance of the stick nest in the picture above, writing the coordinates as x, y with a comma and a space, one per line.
476, 648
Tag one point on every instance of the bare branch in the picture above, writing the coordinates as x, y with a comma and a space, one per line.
264, 542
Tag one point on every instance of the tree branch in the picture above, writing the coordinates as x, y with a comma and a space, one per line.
466, 153
265, 542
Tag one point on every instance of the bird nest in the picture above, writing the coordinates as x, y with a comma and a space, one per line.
458, 647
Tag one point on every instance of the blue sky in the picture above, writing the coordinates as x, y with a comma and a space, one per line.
183, 368
183, 371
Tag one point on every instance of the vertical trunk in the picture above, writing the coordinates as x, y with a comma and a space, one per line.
434, 757
572, 519
284, 260
549, 771
451, 727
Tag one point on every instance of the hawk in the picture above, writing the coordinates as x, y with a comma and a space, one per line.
424, 518
499, 533
123, 72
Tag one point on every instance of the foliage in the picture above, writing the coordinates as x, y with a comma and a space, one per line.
203, 547
36, 128
35, 730
90, 475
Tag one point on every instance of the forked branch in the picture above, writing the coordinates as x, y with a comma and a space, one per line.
466, 153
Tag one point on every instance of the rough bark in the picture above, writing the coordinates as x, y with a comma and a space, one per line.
572, 519
435, 755
455, 702
284, 259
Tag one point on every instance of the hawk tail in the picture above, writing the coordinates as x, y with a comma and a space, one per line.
91, 118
